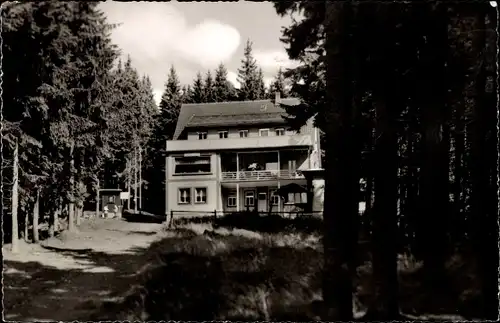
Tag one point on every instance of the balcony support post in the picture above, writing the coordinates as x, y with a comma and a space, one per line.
237, 197
237, 183
237, 166
279, 184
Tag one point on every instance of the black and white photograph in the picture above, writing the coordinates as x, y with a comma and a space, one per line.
293, 161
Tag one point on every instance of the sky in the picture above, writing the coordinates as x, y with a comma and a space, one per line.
196, 36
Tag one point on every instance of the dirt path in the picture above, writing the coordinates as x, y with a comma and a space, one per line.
66, 277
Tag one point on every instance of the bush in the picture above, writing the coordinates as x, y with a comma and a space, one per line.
272, 223
228, 276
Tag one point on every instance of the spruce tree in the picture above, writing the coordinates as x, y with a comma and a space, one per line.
261, 86
248, 76
170, 103
278, 85
209, 89
198, 91
224, 90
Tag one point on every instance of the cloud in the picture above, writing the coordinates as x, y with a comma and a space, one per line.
157, 35
233, 78
268, 81
209, 43
271, 60
157, 93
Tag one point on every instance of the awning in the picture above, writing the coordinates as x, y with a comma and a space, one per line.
193, 161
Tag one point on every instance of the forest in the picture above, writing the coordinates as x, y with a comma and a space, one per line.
413, 87
405, 96
87, 119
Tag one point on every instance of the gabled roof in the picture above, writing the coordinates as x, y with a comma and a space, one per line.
230, 114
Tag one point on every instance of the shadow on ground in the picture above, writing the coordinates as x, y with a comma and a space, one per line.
198, 278
142, 217
105, 277
188, 277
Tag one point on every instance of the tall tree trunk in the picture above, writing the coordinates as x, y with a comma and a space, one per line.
15, 179
388, 102
458, 173
434, 189
78, 214
135, 176
129, 166
384, 236
140, 178
367, 216
55, 219
79, 205
339, 228
97, 209
71, 205
52, 224
490, 258
36, 214
26, 235
483, 191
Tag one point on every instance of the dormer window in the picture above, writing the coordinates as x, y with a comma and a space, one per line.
264, 132
243, 133
202, 135
280, 131
223, 134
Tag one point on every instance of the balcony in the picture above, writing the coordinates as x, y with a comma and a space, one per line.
298, 140
260, 175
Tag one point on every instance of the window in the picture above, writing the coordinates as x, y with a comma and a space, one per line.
275, 199
192, 165
243, 133
280, 132
184, 196
250, 198
231, 201
262, 196
200, 195
202, 135
223, 134
264, 132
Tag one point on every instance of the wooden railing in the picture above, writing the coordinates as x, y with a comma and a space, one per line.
260, 175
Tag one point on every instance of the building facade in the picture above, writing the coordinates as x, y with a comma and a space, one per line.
237, 156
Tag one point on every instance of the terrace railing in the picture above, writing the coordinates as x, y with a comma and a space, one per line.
260, 175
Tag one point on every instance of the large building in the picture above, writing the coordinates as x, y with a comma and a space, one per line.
237, 156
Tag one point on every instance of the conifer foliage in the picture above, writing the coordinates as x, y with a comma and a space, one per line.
66, 108
250, 76
407, 83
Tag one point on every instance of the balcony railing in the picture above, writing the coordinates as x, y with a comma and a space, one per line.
260, 175
274, 142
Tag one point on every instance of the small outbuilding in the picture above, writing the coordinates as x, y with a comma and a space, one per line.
111, 203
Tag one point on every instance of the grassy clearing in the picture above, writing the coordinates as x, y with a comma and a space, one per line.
202, 273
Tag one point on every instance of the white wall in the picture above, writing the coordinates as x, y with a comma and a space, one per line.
235, 132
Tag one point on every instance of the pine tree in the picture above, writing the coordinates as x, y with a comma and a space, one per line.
278, 85
198, 91
248, 76
170, 103
261, 86
63, 97
208, 88
224, 90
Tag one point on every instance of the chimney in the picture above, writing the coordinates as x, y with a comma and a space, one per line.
277, 99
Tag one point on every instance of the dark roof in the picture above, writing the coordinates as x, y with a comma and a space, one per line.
230, 114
